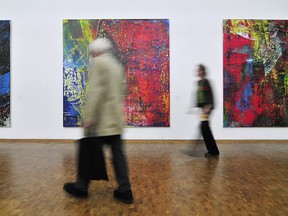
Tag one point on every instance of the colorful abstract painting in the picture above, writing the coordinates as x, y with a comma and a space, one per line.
5, 74
255, 73
142, 46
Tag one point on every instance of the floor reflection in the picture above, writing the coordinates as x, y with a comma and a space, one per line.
166, 180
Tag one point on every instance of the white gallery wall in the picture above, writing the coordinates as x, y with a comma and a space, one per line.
195, 37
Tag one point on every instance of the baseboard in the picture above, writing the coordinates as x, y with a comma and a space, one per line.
200, 141
162, 141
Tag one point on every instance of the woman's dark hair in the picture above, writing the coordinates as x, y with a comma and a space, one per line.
202, 68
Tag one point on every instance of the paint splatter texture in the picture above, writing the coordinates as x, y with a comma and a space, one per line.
142, 46
255, 73
4, 73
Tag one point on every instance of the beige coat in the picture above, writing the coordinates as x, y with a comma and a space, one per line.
104, 99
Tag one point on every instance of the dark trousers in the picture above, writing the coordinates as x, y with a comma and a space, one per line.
119, 163
208, 138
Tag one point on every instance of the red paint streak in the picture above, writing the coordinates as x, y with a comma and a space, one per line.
143, 46
233, 61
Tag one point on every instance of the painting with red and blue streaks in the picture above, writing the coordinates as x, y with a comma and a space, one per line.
255, 64
5, 73
142, 46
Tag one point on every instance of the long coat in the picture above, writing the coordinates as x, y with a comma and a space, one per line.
104, 98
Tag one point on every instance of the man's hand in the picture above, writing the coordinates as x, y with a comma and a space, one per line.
86, 124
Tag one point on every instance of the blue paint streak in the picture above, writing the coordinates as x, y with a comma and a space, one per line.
249, 66
5, 30
244, 102
70, 114
5, 84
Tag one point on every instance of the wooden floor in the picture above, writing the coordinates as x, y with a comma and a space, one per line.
167, 179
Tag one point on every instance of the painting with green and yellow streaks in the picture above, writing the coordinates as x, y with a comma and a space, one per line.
255, 55
142, 47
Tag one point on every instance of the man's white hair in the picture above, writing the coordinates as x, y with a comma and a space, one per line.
100, 45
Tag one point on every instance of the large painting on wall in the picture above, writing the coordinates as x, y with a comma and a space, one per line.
5, 74
142, 46
255, 73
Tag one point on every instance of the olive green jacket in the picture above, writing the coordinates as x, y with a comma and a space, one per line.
204, 94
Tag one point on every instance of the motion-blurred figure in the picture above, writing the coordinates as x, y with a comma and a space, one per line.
206, 102
103, 118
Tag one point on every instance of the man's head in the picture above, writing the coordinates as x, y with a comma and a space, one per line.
99, 46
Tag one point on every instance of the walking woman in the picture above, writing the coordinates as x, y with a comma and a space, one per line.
206, 102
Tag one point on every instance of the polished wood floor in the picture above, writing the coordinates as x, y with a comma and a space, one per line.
167, 179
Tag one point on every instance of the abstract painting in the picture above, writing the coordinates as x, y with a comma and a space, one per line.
142, 46
255, 64
5, 74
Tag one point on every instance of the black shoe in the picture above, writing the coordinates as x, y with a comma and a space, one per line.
208, 154
69, 187
125, 197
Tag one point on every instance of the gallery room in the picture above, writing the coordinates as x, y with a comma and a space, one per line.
188, 101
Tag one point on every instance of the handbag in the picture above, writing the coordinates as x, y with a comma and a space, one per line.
91, 160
